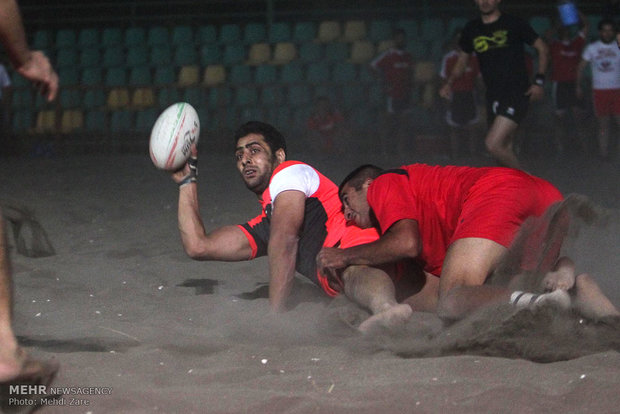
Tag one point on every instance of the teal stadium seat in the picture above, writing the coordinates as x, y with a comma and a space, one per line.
246, 96
206, 34
113, 56
211, 54
164, 75
140, 76
67, 56
233, 54
280, 116
304, 32
352, 96
42, 39
88, 38
65, 38
111, 36
317, 72
311, 52
410, 26
279, 32
195, 96
336, 51
380, 30
22, 120
157, 36
94, 96
240, 74
95, 121
254, 33
121, 121
271, 95
69, 96
160, 55
135, 36
90, 57
265, 74
116, 77
540, 24
185, 54
145, 119
417, 48
292, 72
167, 96
182, 35
366, 76
230, 33
91, 76
343, 72
299, 95
219, 97
455, 23
22, 98
136, 56
68, 76
432, 28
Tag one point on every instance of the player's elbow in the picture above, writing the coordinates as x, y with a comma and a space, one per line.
196, 250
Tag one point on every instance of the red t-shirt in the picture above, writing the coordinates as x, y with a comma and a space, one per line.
325, 125
466, 82
397, 68
565, 57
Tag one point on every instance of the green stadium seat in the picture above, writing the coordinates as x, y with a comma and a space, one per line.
279, 32
271, 95
69, 98
233, 54
265, 74
196, 96
157, 36
240, 74
300, 117
185, 54
135, 36
380, 30
42, 39
246, 96
22, 98
432, 28
336, 51
182, 35
311, 52
299, 95
410, 26
65, 38
230, 33
93, 98
304, 32
145, 119
116, 76
160, 55
92, 76
111, 36
254, 33
67, 56
95, 121
168, 96
121, 121
317, 72
140, 76
292, 72
90, 57
219, 97
417, 48
22, 120
206, 34
137, 56
113, 56
211, 54
353, 96
68, 76
164, 75
344, 72
88, 38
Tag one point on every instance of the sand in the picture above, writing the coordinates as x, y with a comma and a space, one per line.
123, 309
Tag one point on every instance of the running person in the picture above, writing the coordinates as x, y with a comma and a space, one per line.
604, 59
458, 222
301, 213
498, 40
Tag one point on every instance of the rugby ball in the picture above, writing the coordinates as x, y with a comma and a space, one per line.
173, 134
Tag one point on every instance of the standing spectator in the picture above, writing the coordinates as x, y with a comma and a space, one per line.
462, 112
498, 40
327, 132
5, 82
565, 56
395, 66
604, 58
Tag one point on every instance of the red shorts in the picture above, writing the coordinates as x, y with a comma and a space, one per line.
606, 102
499, 202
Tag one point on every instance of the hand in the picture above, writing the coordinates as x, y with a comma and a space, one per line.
330, 259
446, 91
535, 92
180, 174
38, 70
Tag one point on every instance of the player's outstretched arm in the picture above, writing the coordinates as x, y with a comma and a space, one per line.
286, 224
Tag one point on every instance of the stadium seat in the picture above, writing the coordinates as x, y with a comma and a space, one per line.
317, 72
455, 23
168, 96
352, 96
246, 96
292, 72
137, 56
240, 74
189, 75
90, 57
22, 120
362, 51
435, 49
417, 48
22, 98
271, 95
46, 121
432, 28
71, 120
233, 54
380, 30
135, 36
116, 77
111, 36
157, 36
140, 76
160, 55
68, 76
279, 116
206, 34
164, 75
196, 96
91, 76
283, 53
254, 33
214, 75
69, 97
336, 51
265, 74
185, 54
118, 98
329, 31
42, 39
66, 57
95, 121
88, 38
143, 97
304, 32
344, 72
121, 121
366, 75
93, 98
145, 120
310, 52
210, 54
182, 35
299, 95
230, 33
279, 32
113, 56
410, 26
65, 38
354, 30
219, 97
259, 54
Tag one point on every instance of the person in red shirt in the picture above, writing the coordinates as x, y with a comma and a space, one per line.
301, 213
462, 114
565, 53
395, 66
458, 223
327, 131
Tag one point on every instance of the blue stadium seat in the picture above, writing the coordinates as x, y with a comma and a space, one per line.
299, 95
92, 76
233, 54
157, 36
93, 98
311, 52
111, 36
317, 72
353, 96
116, 76
279, 32
88, 38
292, 72
137, 56
121, 121
541, 24
271, 95
344, 72
254, 33
410, 26
211, 54
164, 75
206, 34
265, 74
66, 56
113, 56
65, 38
167, 96
304, 32
336, 51
145, 119
22, 98
219, 97
42, 39
432, 28
240, 74
230, 33
246, 96
90, 57
196, 96
22, 120
95, 121
68, 76
135, 36
185, 54
182, 35
140, 76
161, 55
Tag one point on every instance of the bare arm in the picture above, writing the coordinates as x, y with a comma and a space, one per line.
580, 69
401, 241
457, 72
286, 223
535, 91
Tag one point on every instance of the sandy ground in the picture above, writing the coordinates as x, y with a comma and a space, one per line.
123, 309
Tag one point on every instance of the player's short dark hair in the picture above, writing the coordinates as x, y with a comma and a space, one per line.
358, 176
606, 22
273, 137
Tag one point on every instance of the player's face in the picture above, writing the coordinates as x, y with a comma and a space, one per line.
355, 206
607, 33
255, 162
488, 6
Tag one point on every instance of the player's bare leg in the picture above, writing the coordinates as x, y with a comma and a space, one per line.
590, 301
499, 141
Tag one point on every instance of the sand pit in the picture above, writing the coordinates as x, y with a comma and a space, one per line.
123, 309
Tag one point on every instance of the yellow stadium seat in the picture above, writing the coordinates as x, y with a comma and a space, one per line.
283, 53
329, 31
385, 45
143, 98
189, 75
362, 51
118, 98
354, 30
46, 121
424, 71
71, 120
259, 54
214, 75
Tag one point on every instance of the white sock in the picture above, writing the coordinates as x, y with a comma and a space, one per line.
522, 300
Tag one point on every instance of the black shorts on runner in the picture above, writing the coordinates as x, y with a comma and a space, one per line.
511, 106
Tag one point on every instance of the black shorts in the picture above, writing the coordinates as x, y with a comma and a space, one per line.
462, 109
564, 96
509, 105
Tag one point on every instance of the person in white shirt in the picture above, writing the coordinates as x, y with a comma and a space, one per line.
604, 58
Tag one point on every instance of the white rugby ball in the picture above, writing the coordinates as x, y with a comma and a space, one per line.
173, 134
